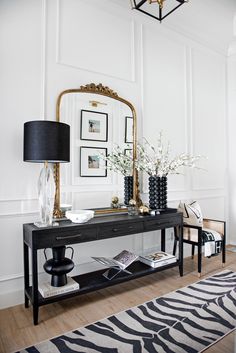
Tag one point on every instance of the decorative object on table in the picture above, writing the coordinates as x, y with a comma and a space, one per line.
115, 202
65, 207
46, 142
128, 189
94, 126
157, 163
200, 308
129, 121
156, 259
144, 210
59, 265
80, 216
154, 212
93, 162
157, 192
158, 10
122, 163
47, 291
132, 208
118, 263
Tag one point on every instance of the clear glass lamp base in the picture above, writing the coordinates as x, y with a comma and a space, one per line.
46, 194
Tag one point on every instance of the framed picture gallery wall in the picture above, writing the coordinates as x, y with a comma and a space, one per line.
94, 126
96, 133
92, 163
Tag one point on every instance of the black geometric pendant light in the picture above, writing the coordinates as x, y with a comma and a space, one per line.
158, 9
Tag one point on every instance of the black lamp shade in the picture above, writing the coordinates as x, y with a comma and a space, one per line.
46, 141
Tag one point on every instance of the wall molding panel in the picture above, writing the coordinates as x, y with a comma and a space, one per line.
208, 72
78, 49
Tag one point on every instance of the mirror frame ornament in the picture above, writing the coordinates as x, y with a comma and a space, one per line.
108, 92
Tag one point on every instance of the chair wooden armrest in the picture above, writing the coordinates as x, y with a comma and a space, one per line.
214, 224
213, 220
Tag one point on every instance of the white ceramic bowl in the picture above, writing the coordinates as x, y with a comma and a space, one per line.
80, 216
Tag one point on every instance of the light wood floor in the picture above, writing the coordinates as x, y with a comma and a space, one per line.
17, 330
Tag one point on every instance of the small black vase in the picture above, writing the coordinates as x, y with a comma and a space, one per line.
128, 189
157, 193
59, 265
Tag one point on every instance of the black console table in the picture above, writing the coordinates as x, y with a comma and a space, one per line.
101, 227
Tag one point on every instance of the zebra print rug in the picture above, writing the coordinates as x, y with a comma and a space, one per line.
187, 320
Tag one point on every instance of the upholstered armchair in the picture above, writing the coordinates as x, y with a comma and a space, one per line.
212, 234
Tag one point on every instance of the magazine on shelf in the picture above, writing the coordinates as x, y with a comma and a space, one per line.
122, 260
46, 290
157, 258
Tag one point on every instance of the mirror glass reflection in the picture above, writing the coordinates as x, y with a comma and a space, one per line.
98, 124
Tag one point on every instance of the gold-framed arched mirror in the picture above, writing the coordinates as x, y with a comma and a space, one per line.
99, 119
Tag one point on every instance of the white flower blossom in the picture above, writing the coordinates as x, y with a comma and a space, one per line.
157, 161
119, 162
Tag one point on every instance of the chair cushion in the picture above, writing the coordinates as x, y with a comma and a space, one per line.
192, 213
210, 238
212, 241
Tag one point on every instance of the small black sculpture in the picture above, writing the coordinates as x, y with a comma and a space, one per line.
59, 265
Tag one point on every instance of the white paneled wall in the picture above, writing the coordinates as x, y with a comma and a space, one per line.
165, 94
209, 118
96, 50
176, 84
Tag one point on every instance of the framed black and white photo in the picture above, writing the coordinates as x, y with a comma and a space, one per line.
94, 126
129, 129
91, 162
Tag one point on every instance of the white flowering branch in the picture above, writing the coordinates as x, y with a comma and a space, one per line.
119, 162
157, 161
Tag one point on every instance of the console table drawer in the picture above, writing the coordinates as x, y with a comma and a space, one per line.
118, 230
66, 237
160, 224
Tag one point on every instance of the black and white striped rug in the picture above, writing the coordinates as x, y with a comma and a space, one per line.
187, 320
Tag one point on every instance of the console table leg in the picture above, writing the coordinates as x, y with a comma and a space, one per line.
35, 286
35, 314
163, 240
26, 301
181, 269
26, 272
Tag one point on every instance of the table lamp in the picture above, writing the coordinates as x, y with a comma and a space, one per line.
46, 142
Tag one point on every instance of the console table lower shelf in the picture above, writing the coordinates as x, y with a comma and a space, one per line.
93, 281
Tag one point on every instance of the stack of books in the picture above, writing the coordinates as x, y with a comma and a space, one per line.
46, 290
157, 258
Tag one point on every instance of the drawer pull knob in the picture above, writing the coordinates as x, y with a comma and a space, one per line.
68, 237
115, 229
131, 227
